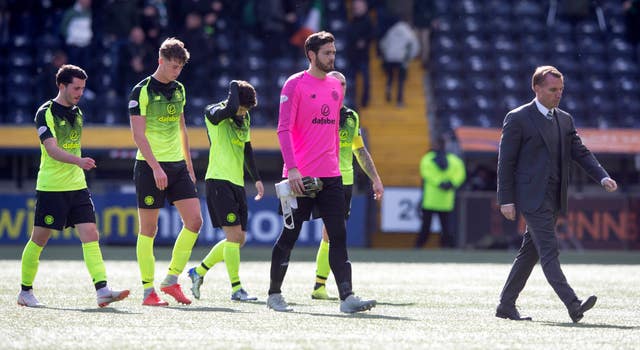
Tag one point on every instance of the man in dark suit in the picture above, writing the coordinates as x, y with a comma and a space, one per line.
538, 142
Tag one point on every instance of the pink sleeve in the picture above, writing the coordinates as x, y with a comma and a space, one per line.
286, 120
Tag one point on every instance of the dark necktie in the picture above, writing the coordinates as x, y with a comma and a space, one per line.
549, 115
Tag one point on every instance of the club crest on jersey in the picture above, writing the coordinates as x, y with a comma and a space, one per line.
177, 95
325, 110
350, 122
335, 95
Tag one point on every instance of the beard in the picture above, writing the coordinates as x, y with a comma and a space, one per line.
325, 67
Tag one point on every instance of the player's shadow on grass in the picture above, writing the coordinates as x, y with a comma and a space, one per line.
106, 310
203, 309
371, 316
396, 304
587, 325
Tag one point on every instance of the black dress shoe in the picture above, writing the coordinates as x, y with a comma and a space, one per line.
578, 308
511, 313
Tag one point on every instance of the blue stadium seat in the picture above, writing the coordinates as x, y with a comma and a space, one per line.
20, 115
499, 24
20, 59
447, 63
469, 7
529, 8
443, 43
481, 84
478, 64
623, 65
503, 44
498, 8
472, 25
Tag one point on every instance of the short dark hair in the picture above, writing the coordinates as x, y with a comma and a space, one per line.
67, 72
246, 94
541, 74
173, 49
315, 40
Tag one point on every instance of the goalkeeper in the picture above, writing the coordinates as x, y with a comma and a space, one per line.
308, 121
230, 152
351, 144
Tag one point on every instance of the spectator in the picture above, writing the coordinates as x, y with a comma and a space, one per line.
44, 80
154, 21
275, 25
423, 20
137, 58
442, 173
482, 179
359, 36
197, 72
76, 29
632, 21
398, 46
118, 19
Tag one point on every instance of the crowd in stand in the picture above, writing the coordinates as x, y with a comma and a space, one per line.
116, 42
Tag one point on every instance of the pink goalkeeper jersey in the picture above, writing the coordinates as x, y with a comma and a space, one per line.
308, 125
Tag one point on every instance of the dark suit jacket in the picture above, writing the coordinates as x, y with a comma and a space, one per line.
524, 161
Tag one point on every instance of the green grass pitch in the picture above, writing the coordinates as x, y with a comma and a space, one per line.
426, 300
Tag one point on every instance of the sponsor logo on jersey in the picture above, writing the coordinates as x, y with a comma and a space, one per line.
283, 98
71, 145
42, 130
73, 135
171, 108
133, 103
323, 121
169, 118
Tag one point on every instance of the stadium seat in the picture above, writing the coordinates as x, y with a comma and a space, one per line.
20, 59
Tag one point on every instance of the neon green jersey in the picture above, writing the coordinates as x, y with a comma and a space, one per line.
65, 125
350, 140
227, 139
162, 106
434, 197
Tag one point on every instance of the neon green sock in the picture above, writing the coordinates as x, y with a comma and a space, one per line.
232, 260
182, 251
322, 264
216, 255
146, 260
30, 261
93, 259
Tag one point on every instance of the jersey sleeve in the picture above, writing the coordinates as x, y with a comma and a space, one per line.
138, 100
217, 112
358, 142
184, 95
286, 121
45, 130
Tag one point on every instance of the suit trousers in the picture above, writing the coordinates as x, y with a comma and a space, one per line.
539, 242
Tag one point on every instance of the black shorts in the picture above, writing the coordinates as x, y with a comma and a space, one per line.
328, 202
58, 210
348, 192
179, 184
227, 204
